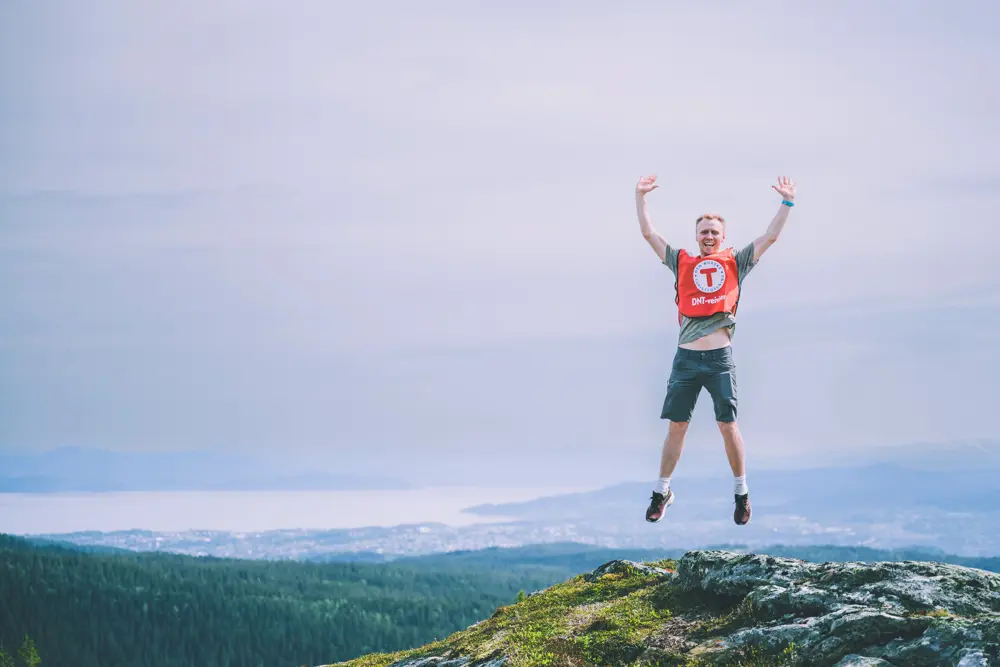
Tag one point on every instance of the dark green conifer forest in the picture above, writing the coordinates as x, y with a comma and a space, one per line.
117, 610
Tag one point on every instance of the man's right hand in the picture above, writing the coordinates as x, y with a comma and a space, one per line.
646, 184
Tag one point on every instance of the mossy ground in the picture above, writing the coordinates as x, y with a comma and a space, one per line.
581, 623
577, 622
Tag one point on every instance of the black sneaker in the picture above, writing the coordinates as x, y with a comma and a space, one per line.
658, 503
741, 515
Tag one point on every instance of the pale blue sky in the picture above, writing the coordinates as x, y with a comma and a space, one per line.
402, 237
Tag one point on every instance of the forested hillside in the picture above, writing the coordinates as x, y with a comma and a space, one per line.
111, 610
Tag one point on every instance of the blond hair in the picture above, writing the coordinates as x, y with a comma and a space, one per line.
711, 216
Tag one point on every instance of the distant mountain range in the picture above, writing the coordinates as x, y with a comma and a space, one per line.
827, 494
980, 454
78, 469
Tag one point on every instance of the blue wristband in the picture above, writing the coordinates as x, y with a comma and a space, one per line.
787, 203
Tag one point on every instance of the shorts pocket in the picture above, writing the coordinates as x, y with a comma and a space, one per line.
721, 364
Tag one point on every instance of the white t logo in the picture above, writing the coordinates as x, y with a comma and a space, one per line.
709, 276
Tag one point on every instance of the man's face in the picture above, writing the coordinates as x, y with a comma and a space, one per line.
710, 235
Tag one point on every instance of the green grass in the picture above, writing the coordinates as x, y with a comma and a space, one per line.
577, 622
616, 633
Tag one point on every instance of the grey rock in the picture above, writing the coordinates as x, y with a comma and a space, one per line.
733, 575
862, 661
948, 641
627, 567
973, 658
440, 661
912, 614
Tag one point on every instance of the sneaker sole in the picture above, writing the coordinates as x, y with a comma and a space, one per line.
670, 501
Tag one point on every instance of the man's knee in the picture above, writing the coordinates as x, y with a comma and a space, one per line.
728, 426
679, 427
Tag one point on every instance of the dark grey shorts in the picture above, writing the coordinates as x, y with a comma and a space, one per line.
693, 369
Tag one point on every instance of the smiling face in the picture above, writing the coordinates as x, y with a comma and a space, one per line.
710, 233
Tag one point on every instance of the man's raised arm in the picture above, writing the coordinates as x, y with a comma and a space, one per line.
785, 188
646, 185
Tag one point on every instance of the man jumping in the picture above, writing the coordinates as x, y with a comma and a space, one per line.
707, 287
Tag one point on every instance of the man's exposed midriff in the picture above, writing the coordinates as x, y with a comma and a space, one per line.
713, 341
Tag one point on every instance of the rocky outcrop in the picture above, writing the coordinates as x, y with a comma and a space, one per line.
723, 608
905, 614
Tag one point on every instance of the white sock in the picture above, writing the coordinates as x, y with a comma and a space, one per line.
662, 485
740, 486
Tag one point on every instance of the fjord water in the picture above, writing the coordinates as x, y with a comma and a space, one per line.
35, 513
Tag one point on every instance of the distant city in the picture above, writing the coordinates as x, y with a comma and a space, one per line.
878, 505
958, 534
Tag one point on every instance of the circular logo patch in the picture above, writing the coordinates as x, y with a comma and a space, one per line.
709, 275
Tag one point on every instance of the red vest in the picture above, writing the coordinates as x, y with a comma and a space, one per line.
706, 285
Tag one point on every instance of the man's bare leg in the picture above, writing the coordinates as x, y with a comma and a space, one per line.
673, 445
734, 447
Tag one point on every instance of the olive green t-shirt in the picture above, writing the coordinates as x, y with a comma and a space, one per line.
693, 328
